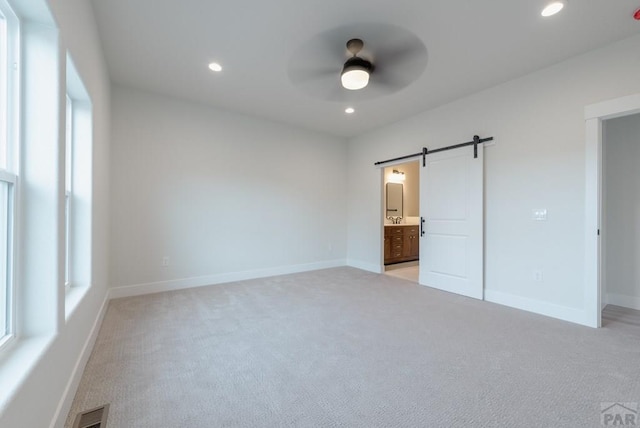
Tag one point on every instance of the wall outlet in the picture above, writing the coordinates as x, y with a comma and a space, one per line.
537, 275
165, 261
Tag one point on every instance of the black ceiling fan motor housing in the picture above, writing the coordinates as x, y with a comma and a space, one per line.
358, 62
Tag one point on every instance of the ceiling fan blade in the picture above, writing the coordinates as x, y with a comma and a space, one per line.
306, 73
399, 62
398, 55
389, 81
399, 74
325, 87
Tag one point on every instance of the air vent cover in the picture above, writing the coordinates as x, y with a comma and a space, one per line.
94, 418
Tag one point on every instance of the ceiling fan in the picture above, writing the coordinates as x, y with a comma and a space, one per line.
379, 59
356, 70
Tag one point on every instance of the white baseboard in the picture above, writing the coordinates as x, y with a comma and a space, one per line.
201, 281
564, 313
632, 302
66, 401
365, 266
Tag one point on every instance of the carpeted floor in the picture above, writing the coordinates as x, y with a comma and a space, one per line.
347, 348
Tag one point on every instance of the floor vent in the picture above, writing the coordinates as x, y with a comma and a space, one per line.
94, 418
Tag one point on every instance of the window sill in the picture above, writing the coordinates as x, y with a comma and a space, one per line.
16, 363
72, 299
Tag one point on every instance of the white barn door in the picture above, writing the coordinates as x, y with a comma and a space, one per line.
451, 206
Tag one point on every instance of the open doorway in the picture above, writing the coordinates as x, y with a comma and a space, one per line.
401, 220
596, 256
620, 210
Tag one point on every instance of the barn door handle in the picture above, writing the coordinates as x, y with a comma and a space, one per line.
421, 226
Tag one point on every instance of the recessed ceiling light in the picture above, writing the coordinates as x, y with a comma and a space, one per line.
214, 66
349, 110
552, 8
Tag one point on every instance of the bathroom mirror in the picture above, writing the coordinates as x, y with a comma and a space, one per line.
394, 200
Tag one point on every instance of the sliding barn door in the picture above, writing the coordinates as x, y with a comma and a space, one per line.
451, 206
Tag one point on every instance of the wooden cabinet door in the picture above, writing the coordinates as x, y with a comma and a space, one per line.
401, 243
387, 248
413, 247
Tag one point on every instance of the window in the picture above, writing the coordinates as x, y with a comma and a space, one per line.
8, 178
68, 191
4, 46
78, 183
5, 243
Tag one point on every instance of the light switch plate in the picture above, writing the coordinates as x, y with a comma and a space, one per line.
537, 275
539, 214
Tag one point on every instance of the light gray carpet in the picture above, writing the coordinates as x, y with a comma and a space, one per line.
346, 348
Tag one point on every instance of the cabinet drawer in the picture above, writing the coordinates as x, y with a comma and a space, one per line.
397, 239
412, 230
394, 231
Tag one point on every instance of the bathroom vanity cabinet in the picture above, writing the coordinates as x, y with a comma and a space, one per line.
401, 243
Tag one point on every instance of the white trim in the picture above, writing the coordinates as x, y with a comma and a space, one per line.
370, 267
595, 114
610, 109
201, 281
632, 302
593, 171
64, 406
552, 310
8, 177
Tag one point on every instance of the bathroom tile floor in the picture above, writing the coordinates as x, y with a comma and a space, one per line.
409, 271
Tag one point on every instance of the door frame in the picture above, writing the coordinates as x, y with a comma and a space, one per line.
595, 115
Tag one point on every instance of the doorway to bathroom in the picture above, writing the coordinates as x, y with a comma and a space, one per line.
401, 220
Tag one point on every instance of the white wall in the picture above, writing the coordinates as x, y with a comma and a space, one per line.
45, 365
537, 162
621, 206
223, 196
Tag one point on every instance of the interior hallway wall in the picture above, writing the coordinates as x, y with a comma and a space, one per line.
538, 161
221, 195
621, 207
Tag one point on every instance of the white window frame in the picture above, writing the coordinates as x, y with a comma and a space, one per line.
9, 333
78, 187
9, 110
68, 191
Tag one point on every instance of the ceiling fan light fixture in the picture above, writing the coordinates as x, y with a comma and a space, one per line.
355, 73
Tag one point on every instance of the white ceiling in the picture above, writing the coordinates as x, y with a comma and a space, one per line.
165, 46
